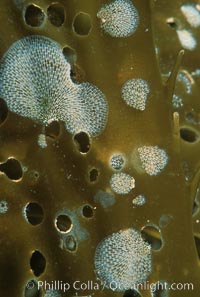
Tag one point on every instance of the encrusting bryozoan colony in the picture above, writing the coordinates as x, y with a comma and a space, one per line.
42, 141
186, 36
186, 39
119, 18
122, 183
135, 92
192, 14
185, 82
185, 79
153, 159
123, 259
139, 200
117, 161
177, 101
3, 206
87, 111
35, 82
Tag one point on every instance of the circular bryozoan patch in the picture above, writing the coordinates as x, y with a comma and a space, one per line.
135, 92
119, 18
35, 82
123, 259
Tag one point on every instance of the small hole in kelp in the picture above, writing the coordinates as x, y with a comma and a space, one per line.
70, 54
3, 111
152, 235
93, 175
56, 14
82, 24
172, 23
53, 130
12, 168
63, 223
34, 213
87, 211
82, 142
37, 263
34, 16
188, 135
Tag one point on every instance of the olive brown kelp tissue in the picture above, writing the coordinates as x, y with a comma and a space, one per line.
99, 157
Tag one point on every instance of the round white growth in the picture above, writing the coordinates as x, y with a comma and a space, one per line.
184, 84
153, 159
122, 183
187, 39
177, 101
135, 92
123, 258
42, 141
191, 14
35, 82
3, 207
119, 18
33, 78
196, 73
139, 200
186, 80
117, 162
87, 110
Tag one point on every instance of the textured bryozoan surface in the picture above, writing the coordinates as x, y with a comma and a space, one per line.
187, 39
135, 92
3, 207
122, 183
123, 259
35, 82
153, 159
184, 85
117, 162
58, 177
119, 18
192, 14
139, 200
86, 110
